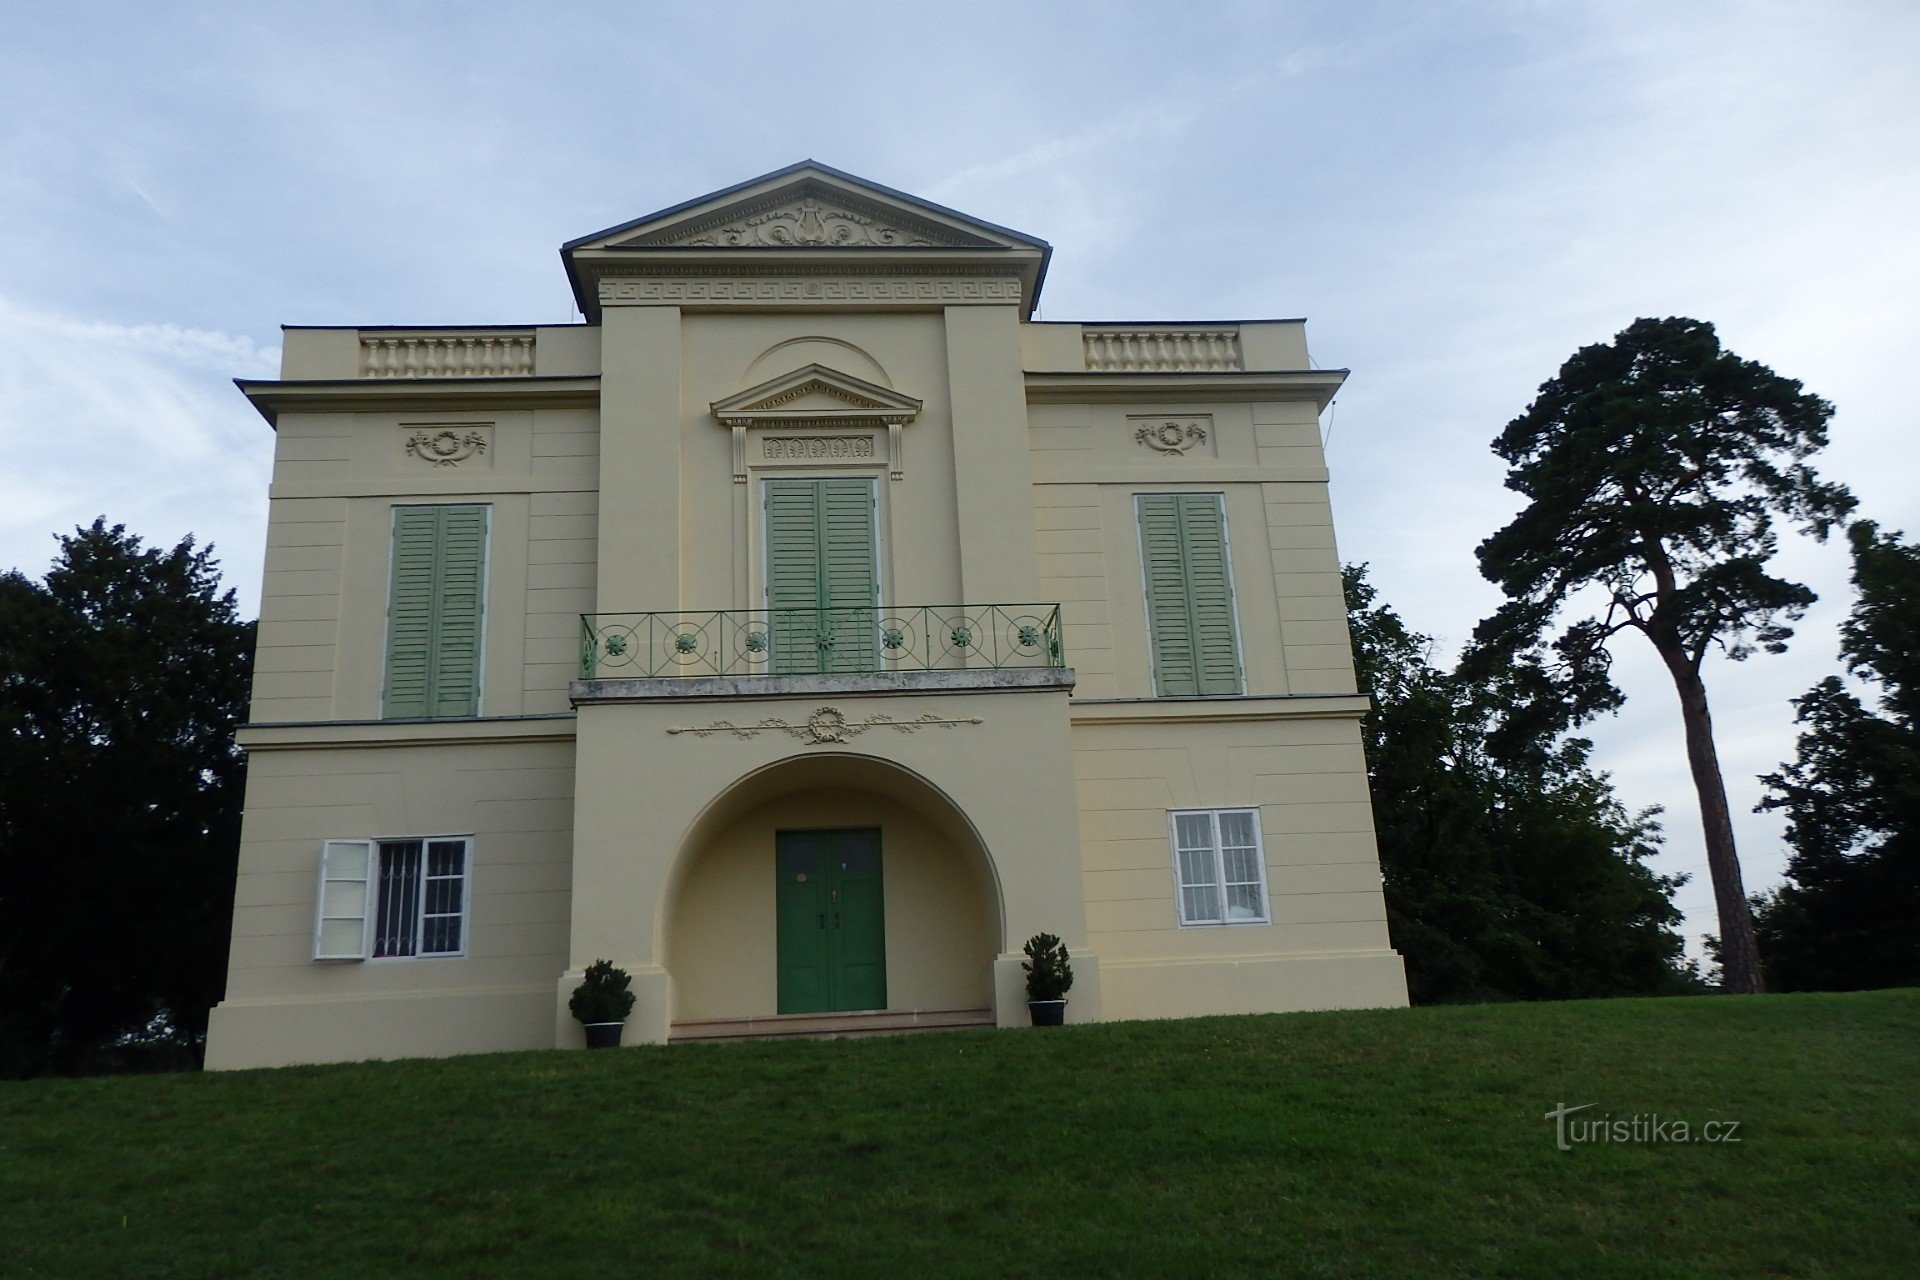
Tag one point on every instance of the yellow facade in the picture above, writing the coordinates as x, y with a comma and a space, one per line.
624, 803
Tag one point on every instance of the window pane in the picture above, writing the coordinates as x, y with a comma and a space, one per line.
1243, 866
443, 896
1236, 828
1193, 830
399, 908
341, 937
1243, 902
1196, 868
345, 899
346, 860
445, 857
1200, 905
442, 934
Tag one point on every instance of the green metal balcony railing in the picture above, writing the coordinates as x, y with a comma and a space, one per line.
777, 642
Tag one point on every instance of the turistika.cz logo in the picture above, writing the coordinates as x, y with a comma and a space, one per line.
1570, 1129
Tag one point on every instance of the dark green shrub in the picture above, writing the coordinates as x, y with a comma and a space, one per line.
602, 995
1049, 975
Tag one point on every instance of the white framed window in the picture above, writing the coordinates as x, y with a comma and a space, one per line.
392, 899
1219, 866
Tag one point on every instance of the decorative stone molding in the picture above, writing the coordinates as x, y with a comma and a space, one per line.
816, 448
1170, 435
446, 446
821, 290
1210, 349
446, 355
825, 725
815, 396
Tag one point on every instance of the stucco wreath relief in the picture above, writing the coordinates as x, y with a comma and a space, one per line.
827, 724
1171, 435
446, 448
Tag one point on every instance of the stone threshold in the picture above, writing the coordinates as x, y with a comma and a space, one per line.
829, 1026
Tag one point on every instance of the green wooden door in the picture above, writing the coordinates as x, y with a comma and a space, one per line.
1190, 615
823, 578
831, 912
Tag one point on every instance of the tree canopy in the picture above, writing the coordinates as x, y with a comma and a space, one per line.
1654, 468
122, 677
1512, 871
1848, 916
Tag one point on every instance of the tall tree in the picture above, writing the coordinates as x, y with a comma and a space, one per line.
1848, 916
122, 677
1512, 872
1654, 467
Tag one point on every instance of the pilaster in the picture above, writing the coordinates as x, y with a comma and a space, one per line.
999, 554
640, 425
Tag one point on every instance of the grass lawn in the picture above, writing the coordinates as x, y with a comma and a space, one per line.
1396, 1143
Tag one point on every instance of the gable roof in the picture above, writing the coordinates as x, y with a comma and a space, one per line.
804, 211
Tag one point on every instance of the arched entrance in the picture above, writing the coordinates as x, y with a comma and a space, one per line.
830, 884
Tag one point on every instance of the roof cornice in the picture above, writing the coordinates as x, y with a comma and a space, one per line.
409, 395
1318, 385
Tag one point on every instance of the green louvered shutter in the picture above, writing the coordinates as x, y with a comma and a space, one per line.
793, 575
822, 579
1183, 544
850, 578
436, 611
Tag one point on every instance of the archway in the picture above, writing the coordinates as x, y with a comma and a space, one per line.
728, 943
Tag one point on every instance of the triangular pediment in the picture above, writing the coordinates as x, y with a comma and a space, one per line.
807, 206
813, 391
807, 235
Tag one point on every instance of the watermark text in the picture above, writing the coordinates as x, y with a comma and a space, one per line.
1572, 1129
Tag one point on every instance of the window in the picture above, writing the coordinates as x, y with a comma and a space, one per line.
1218, 865
391, 898
1189, 589
435, 607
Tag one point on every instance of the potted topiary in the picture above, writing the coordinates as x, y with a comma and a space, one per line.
1049, 978
602, 1002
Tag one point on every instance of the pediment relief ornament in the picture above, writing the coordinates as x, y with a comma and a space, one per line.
808, 220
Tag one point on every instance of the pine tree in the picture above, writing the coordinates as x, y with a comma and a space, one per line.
122, 677
1654, 467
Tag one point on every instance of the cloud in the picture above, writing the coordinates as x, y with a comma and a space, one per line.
139, 423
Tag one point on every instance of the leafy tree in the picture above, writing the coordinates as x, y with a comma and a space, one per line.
122, 676
1511, 870
1849, 915
1654, 467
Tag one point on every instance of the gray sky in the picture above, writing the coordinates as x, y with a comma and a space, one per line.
1457, 195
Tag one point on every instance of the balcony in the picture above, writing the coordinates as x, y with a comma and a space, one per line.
821, 642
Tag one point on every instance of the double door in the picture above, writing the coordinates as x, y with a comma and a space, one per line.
831, 921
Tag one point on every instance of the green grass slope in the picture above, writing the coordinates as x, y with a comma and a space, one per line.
1396, 1143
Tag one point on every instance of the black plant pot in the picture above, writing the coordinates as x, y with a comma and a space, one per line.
603, 1035
1047, 1013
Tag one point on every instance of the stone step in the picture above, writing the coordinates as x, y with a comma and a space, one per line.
830, 1026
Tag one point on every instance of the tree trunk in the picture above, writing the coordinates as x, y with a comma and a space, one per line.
1739, 953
